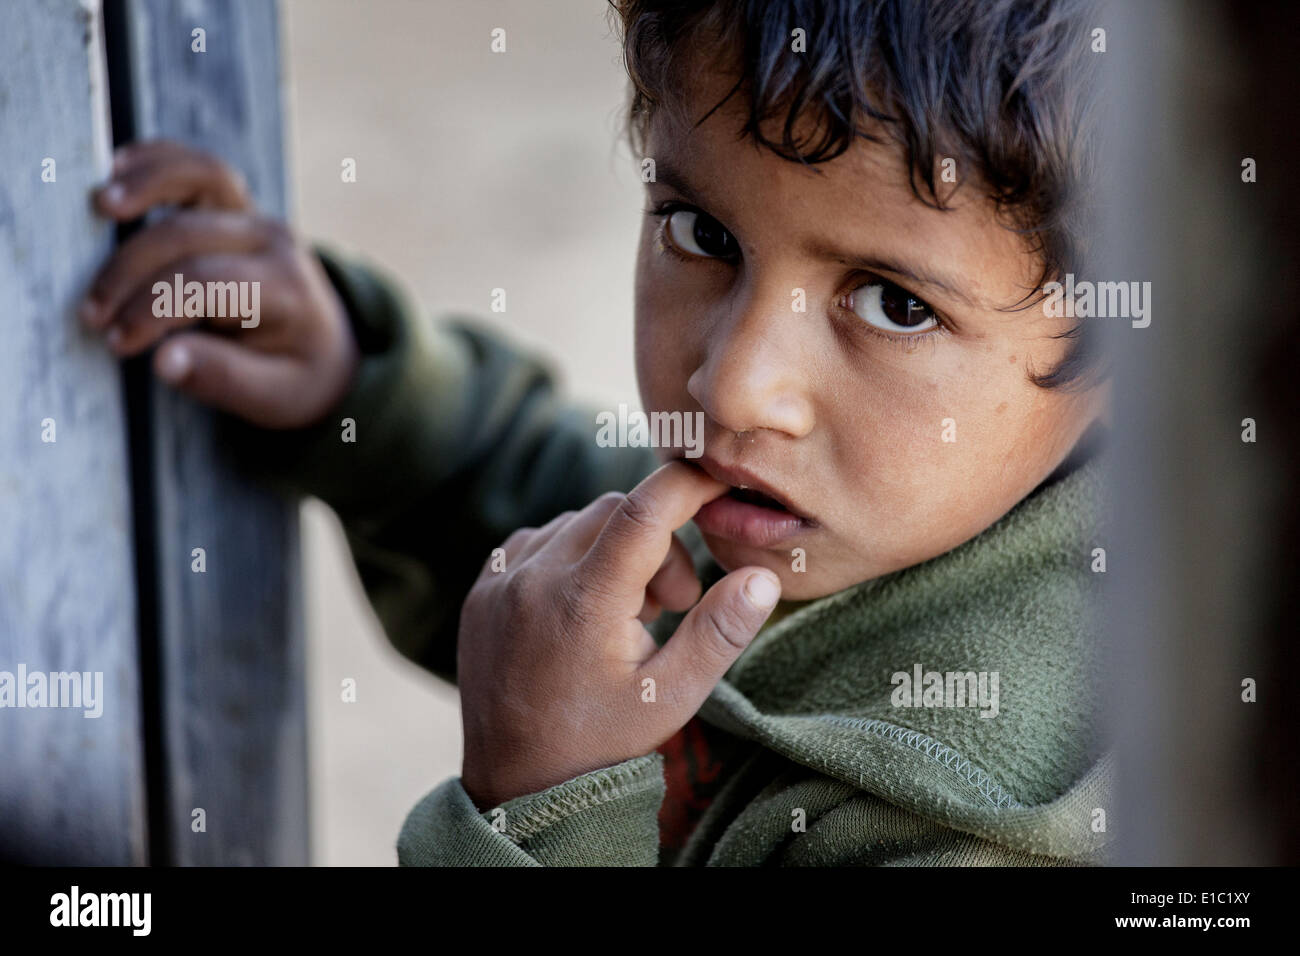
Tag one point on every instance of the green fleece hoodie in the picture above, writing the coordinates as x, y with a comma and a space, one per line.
816, 749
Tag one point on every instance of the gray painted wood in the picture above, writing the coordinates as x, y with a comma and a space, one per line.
232, 641
71, 787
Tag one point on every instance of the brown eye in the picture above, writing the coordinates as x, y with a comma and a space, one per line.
902, 308
697, 234
891, 309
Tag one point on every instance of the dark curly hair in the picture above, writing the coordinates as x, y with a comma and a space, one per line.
1007, 87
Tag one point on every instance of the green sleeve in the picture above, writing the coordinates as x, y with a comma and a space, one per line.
853, 828
609, 817
460, 437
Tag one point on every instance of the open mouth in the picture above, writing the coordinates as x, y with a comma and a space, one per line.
752, 497
750, 517
745, 515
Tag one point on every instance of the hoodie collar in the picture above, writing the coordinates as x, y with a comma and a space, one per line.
1004, 621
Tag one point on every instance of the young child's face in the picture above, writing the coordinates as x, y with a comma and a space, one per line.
841, 410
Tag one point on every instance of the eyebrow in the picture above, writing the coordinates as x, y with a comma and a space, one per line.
671, 176
916, 276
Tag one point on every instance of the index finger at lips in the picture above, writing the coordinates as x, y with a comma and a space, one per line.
151, 174
635, 540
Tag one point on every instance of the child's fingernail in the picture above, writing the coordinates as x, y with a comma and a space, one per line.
88, 311
113, 337
174, 363
762, 591
114, 193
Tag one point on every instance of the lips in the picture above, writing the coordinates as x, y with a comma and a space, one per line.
756, 498
753, 512
746, 483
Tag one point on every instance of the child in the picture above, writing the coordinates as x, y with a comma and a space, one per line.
854, 209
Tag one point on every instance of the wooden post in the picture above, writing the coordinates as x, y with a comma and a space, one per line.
199, 756
71, 787
229, 638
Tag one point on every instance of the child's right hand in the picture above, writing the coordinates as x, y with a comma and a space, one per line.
558, 675
288, 370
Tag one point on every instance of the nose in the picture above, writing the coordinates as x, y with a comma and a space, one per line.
756, 372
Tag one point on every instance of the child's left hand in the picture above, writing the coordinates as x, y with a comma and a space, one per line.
553, 653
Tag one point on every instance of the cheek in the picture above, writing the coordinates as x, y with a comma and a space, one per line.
887, 432
650, 367
663, 330
917, 434
647, 323
905, 405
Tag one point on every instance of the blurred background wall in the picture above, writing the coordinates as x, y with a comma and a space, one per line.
1201, 592
475, 170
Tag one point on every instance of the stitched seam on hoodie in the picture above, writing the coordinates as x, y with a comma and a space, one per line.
607, 786
939, 752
